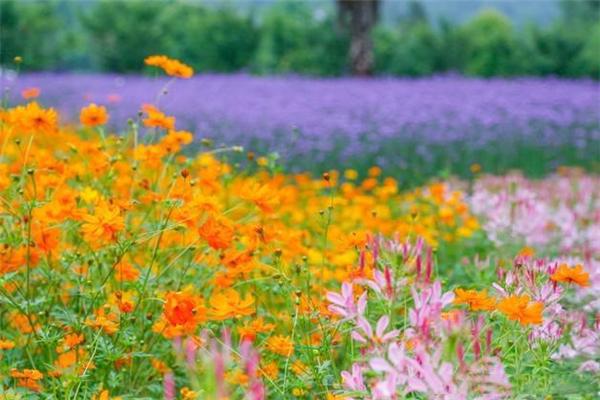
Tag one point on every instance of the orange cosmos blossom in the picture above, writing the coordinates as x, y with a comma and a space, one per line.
34, 119
576, 275
281, 345
229, 304
250, 330
6, 344
103, 225
156, 118
93, 115
105, 320
30, 93
263, 196
172, 67
520, 308
174, 140
125, 272
477, 301
183, 311
218, 233
28, 378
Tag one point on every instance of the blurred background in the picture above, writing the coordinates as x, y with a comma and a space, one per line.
420, 87
405, 38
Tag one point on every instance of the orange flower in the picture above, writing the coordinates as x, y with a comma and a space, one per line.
103, 225
30, 93
46, 239
526, 252
157, 119
156, 61
105, 320
70, 341
34, 119
282, 345
228, 304
171, 66
28, 378
93, 115
575, 275
519, 308
477, 301
182, 312
178, 69
123, 300
250, 330
125, 272
218, 233
264, 197
6, 344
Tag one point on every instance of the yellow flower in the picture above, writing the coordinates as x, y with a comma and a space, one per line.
228, 304
104, 225
281, 345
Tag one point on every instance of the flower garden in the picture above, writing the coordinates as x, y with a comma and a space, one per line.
134, 268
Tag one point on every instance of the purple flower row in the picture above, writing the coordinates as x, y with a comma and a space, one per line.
352, 118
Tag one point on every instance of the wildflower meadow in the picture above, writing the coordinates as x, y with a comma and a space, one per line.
145, 255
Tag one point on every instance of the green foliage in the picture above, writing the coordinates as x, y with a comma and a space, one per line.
290, 37
22, 27
588, 59
411, 50
213, 40
294, 40
491, 46
122, 33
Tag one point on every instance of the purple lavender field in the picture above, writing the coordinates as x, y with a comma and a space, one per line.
416, 126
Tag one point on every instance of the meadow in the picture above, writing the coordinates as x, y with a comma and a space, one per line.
414, 128
154, 246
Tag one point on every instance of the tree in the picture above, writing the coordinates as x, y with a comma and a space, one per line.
359, 17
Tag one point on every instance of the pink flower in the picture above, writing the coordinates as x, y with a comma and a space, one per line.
343, 304
589, 366
169, 386
354, 380
379, 337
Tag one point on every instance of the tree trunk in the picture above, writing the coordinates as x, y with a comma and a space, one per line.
358, 17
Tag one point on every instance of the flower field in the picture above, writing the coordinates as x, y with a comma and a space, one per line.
416, 128
134, 267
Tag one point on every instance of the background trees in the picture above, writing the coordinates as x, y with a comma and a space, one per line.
335, 38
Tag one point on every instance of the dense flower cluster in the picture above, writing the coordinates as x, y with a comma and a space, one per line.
415, 127
129, 269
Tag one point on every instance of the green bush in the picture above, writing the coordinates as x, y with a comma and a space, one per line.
212, 40
289, 37
293, 40
33, 31
124, 32
411, 50
491, 46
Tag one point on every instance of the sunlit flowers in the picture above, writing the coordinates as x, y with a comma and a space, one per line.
576, 275
103, 225
28, 378
32, 118
281, 345
93, 115
218, 233
229, 304
157, 119
172, 67
476, 300
522, 309
183, 311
